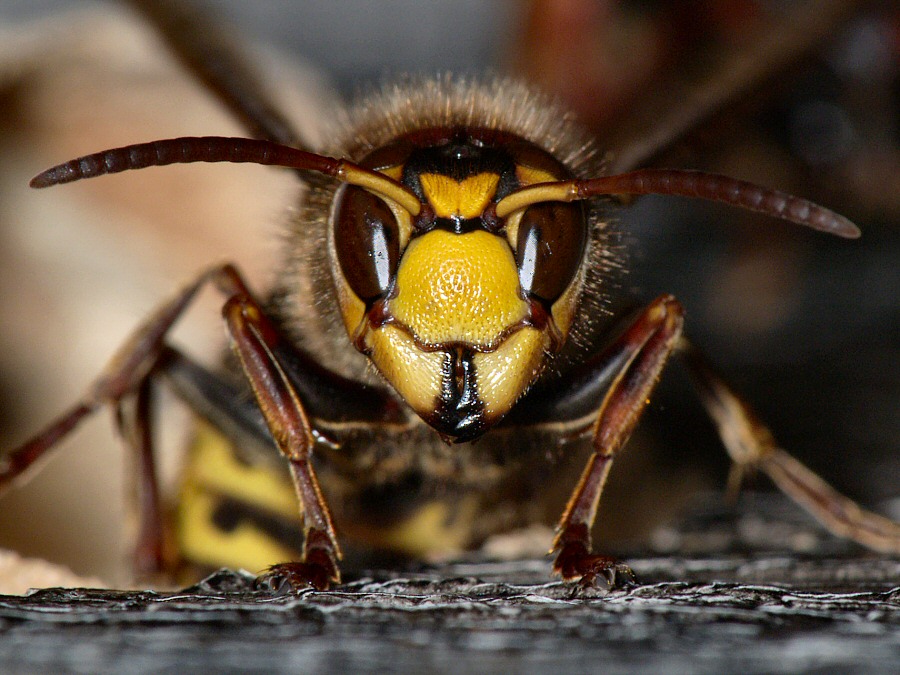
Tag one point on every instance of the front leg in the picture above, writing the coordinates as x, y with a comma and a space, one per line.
641, 353
636, 359
254, 338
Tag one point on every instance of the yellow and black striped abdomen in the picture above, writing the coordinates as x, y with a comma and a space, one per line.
240, 514
231, 513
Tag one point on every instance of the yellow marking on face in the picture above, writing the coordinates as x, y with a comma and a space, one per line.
353, 310
526, 176
512, 228
466, 198
529, 176
395, 172
404, 220
416, 375
458, 288
504, 374
563, 310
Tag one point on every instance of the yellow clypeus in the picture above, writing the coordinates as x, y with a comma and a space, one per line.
458, 288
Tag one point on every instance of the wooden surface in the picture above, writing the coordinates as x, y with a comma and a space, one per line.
737, 598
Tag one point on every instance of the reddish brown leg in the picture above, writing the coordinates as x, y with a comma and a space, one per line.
126, 376
153, 551
122, 377
125, 382
643, 349
752, 446
254, 337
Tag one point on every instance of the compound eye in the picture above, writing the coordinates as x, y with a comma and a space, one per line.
549, 248
367, 242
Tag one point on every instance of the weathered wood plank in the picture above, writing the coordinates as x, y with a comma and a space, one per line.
831, 608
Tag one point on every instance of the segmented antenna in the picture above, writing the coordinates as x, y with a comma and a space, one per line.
697, 184
718, 188
191, 149
181, 151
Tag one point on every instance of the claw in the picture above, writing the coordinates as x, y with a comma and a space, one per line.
619, 576
576, 563
294, 577
318, 570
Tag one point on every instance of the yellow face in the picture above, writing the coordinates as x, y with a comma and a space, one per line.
457, 310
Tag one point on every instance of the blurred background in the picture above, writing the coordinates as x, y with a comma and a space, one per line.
806, 326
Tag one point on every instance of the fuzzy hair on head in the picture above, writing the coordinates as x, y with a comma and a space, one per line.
306, 298
418, 102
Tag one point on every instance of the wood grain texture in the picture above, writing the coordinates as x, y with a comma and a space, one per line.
733, 602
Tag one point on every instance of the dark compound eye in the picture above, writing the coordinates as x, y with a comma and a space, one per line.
549, 248
367, 242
